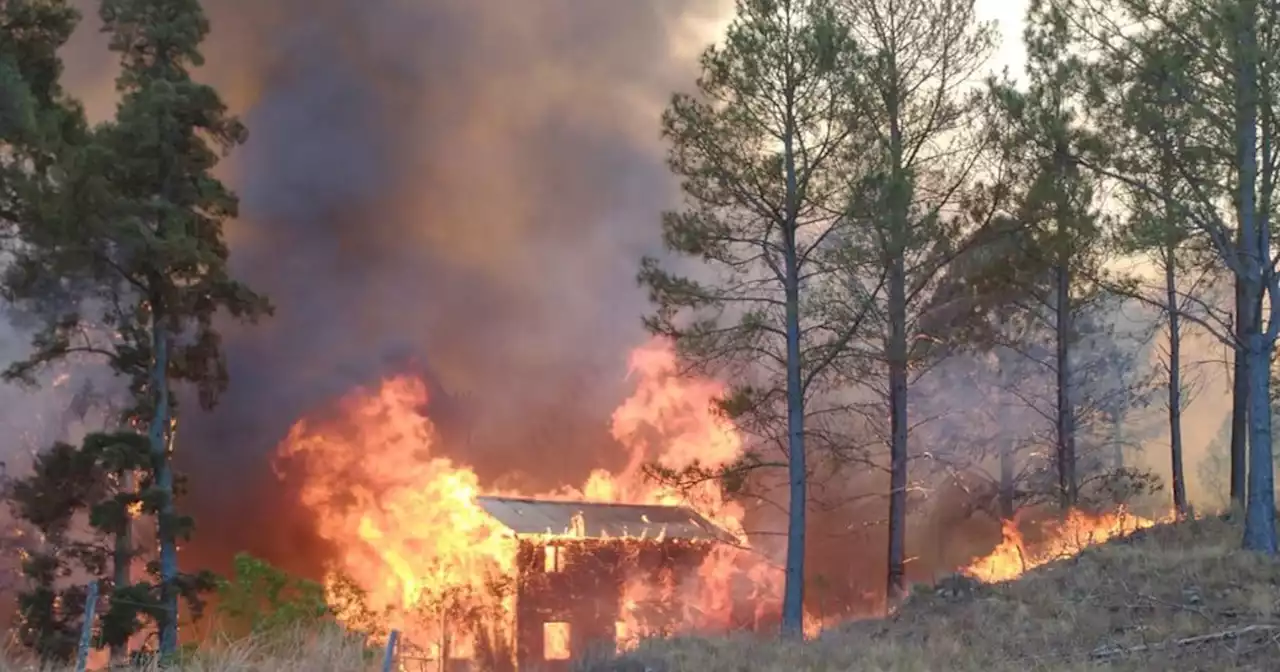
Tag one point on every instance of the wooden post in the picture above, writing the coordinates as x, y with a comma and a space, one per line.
86, 630
390, 655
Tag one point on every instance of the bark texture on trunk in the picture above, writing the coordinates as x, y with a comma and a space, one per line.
1065, 425
897, 342
1008, 467
1260, 506
158, 436
793, 591
1175, 382
122, 564
1240, 391
1260, 510
895, 242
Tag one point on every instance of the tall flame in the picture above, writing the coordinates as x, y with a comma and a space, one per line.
407, 531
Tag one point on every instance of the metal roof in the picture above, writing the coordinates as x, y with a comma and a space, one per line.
597, 520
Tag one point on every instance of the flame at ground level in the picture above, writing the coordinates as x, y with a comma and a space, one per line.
424, 558
1062, 538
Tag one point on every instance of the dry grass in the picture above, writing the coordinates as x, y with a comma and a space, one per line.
326, 651
1175, 597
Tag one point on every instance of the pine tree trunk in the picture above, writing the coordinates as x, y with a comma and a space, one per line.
793, 591
1175, 381
896, 242
1065, 425
897, 429
1008, 468
1240, 389
1260, 506
158, 435
122, 564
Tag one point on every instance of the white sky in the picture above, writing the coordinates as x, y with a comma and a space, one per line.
1008, 14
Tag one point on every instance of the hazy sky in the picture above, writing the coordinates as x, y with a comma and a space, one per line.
1009, 16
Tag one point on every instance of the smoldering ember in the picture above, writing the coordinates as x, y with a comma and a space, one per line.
651, 335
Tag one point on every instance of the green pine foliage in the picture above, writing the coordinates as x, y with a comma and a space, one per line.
125, 259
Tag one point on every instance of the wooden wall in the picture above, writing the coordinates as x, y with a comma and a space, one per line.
584, 589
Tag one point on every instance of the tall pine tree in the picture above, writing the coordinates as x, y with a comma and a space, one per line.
758, 152
139, 227
165, 233
1215, 126
37, 119
73, 483
915, 101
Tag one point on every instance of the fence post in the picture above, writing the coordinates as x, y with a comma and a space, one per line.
390, 655
86, 630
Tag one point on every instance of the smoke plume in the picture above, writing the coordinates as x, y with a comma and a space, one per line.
463, 186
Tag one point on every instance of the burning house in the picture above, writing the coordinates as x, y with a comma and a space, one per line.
575, 561
483, 579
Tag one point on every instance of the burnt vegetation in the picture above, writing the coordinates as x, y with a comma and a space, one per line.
956, 313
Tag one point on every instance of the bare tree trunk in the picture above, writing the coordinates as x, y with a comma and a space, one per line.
1175, 380
895, 245
793, 591
1007, 473
1065, 425
897, 343
122, 564
1240, 389
1260, 509
1260, 505
158, 435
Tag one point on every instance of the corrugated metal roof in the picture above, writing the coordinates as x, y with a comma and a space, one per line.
596, 520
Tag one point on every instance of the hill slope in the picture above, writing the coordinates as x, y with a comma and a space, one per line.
1173, 597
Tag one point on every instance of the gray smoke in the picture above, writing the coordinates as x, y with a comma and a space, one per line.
461, 186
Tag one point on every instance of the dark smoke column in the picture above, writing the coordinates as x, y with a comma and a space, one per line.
461, 184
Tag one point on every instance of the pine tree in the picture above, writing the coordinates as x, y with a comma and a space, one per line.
923, 144
758, 151
165, 234
68, 482
137, 236
1153, 229
1214, 126
37, 119
64, 482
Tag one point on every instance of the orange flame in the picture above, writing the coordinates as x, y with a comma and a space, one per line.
1065, 538
408, 533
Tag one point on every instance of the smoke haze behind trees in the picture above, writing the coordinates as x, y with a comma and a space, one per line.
458, 186
461, 186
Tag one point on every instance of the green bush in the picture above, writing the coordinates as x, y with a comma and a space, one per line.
263, 598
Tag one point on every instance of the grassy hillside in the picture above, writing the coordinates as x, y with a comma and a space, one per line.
327, 651
1174, 597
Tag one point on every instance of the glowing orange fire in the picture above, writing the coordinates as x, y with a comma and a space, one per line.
1067, 537
409, 534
